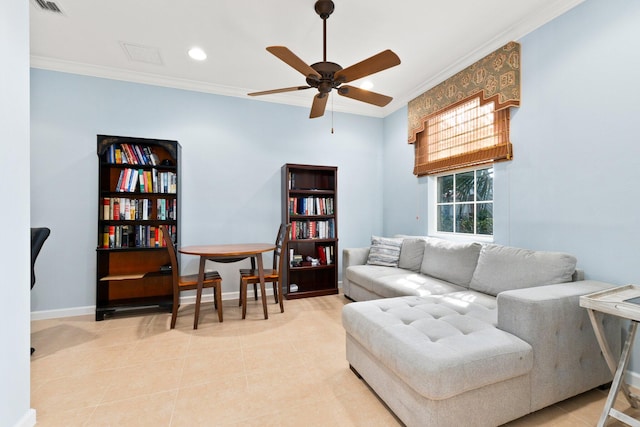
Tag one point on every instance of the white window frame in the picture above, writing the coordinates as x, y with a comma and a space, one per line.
433, 208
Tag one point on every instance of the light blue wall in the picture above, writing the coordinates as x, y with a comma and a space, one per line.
232, 152
405, 196
575, 135
572, 183
570, 186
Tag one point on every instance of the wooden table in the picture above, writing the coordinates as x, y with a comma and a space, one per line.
226, 253
615, 301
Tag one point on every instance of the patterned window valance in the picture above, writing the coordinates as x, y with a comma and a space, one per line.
496, 77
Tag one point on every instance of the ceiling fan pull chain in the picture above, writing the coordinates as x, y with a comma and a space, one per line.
332, 109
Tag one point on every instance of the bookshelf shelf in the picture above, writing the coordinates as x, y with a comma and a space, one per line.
138, 189
309, 204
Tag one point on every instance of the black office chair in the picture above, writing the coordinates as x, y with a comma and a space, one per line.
38, 236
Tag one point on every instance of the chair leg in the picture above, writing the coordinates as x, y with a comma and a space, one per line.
240, 293
275, 291
280, 295
243, 297
255, 292
264, 300
218, 296
174, 310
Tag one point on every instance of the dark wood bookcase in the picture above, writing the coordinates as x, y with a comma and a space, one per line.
310, 204
138, 189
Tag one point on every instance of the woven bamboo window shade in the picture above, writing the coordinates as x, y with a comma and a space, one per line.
464, 121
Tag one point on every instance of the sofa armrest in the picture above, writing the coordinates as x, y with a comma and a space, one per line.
567, 357
352, 256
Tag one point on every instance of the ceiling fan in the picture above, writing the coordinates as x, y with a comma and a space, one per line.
326, 76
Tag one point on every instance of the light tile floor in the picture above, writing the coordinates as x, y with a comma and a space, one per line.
289, 370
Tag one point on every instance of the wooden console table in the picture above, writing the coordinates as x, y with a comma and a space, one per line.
616, 302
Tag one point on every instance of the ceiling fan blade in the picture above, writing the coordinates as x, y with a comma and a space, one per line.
381, 61
318, 106
284, 89
364, 95
293, 61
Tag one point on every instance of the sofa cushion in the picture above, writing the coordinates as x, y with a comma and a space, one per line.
441, 346
450, 261
384, 251
388, 282
502, 268
411, 254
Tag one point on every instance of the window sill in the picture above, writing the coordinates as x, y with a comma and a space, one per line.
463, 237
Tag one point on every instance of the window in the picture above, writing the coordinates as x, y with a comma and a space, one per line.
464, 202
466, 134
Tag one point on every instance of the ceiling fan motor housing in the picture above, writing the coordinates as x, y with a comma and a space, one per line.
324, 8
326, 81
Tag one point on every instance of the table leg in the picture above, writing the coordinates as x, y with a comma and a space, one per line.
262, 285
618, 381
196, 316
609, 357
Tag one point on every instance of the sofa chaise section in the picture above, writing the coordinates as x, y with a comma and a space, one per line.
492, 338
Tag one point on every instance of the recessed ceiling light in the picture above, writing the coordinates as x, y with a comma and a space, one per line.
366, 85
197, 54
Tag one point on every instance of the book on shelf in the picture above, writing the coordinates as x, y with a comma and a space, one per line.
311, 205
105, 237
106, 208
146, 181
137, 150
309, 229
112, 236
116, 209
132, 154
152, 237
322, 255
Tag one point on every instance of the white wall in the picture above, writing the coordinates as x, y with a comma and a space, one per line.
14, 215
232, 152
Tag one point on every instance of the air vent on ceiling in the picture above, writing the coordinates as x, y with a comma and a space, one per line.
48, 6
139, 53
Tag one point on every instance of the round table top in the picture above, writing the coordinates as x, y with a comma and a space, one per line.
231, 249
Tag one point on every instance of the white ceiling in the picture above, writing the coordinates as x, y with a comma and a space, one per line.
433, 38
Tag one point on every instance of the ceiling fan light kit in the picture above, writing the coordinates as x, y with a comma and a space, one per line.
326, 76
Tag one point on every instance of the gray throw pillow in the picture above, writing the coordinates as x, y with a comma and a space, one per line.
453, 262
501, 268
411, 254
384, 251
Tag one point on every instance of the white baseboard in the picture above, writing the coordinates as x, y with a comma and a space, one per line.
28, 420
63, 312
633, 379
82, 311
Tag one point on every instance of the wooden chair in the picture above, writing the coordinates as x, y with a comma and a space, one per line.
189, 282
273, 275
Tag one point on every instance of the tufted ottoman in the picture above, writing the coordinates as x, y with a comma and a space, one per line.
440, 360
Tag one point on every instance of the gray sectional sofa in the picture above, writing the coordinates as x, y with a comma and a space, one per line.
451, 334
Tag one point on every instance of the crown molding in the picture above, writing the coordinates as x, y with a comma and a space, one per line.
131, 76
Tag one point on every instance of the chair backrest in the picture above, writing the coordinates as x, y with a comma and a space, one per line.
38, 237
278, 243
279, 253
175, 270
